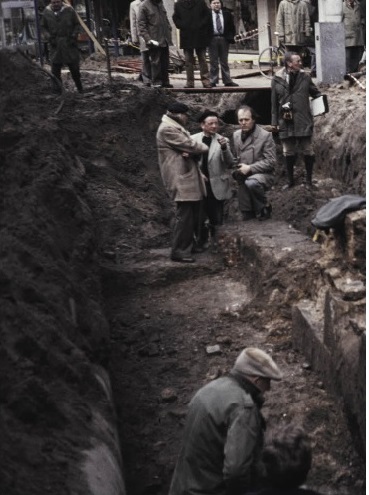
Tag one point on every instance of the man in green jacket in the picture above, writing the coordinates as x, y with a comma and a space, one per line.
223, 434
61, 26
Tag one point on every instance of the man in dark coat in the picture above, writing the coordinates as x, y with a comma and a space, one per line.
291, 114
223, 32
192, 18
155, 29
60, 29
223, 434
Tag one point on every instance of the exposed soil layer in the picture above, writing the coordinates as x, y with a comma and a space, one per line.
83, 203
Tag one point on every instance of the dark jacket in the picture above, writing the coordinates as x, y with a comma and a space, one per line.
229, 27
302, 123
153, 23
193, 19
222, 439
61, 32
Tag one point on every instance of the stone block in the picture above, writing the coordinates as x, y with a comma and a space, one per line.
355, 230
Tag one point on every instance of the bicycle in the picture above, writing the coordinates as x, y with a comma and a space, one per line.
271, 57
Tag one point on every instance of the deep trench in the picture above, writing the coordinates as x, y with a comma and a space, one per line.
165, 322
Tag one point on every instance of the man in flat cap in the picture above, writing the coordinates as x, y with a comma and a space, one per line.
182, 178
223, 434
215, 165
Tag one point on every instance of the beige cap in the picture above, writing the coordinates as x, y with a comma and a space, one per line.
255, 362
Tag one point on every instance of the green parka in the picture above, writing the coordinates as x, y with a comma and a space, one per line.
222, 440
61, 30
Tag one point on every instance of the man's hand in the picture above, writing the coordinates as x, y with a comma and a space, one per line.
244, 169
204, 177
223, 142
274, 128
185, 154
153, 43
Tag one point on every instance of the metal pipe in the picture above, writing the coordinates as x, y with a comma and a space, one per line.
108, 59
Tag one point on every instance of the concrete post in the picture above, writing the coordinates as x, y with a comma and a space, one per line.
264, 9
330, 42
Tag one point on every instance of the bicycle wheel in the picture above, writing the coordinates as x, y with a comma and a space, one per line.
270, 60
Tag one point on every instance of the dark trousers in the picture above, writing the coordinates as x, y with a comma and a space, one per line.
212, 209
353, 57
251, 196
146, 67
218, 54
185, 224
159, 60
74, 71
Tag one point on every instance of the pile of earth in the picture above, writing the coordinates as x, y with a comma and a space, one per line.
80, 185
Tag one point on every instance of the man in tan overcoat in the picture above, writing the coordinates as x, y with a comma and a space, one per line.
178, 154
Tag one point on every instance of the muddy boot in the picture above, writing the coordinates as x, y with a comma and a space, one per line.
309, 165
290, 161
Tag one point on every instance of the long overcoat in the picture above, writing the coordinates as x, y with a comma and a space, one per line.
61, 31
193, 19
222, 439
153, 23
302, 123
219, 163
181, 175
354, 25
293, 22
258, 151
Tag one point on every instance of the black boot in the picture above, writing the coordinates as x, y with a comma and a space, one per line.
290, 161
309, 165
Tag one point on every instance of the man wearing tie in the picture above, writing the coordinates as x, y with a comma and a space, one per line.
223, 34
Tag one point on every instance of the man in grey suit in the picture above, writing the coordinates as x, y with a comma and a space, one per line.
256, 156
214, 166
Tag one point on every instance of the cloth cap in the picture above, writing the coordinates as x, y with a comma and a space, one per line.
255, 362
177, 107
205, 114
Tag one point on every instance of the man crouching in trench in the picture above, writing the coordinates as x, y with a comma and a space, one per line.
223, 435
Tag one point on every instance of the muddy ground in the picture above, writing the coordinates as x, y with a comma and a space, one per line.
84, 211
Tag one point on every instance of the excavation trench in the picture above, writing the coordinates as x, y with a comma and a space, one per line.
175, 327
104, 340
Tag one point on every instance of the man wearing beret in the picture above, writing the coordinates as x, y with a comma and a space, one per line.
182, 178
223, 434
214, 165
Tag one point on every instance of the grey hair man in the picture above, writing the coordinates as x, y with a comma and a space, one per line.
223, 434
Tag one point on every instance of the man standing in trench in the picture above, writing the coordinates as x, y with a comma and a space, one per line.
215, 165
178, 154
223, 434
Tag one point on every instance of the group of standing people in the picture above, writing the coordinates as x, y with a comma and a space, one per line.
200, 29
196, 175
196, 170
